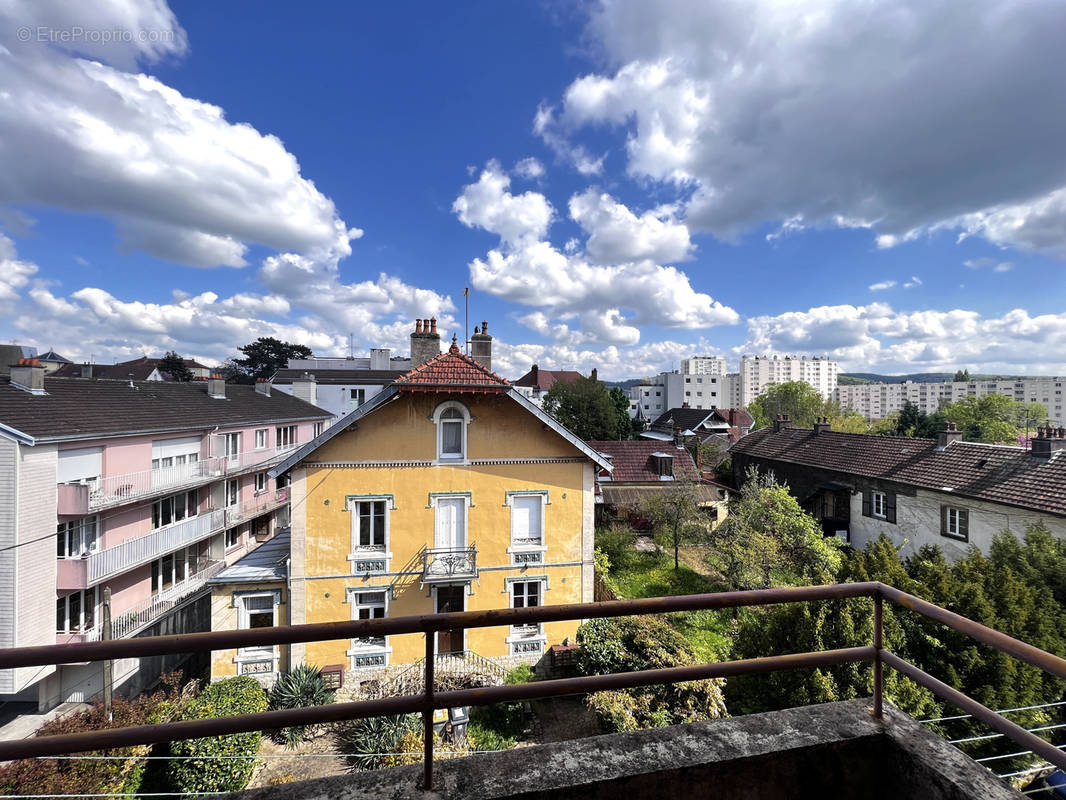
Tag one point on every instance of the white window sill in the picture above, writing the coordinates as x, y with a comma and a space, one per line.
243, 657
369, 555
533, 548
369, 651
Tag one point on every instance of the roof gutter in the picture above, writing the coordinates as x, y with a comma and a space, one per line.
19, 436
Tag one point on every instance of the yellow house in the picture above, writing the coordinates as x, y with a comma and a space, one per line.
448, 491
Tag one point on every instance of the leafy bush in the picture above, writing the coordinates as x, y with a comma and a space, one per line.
483, 737
523, 673
203, 772
367, 742
94, 776
629, 644
303, 687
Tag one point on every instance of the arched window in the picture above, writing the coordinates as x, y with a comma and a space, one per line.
451, 419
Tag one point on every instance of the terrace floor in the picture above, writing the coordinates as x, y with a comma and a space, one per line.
835, 750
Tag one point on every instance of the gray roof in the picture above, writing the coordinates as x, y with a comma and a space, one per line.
265, 563
76, 408
340, 376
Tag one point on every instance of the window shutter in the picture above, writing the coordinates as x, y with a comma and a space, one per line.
964, 524
867, 503
890, 507
943, 520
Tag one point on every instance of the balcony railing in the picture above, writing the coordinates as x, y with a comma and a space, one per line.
449, 564
95, 567
96, 494
430, 700
136, 618
260, 504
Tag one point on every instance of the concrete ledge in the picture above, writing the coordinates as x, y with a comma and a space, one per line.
834, 750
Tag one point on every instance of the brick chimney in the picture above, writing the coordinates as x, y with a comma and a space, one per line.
306, 388
950, 433
262, 386
679, 440
425, 341
216, 387
481, 346
594, 375
1048, 441
822, 425
28, 375
783, 423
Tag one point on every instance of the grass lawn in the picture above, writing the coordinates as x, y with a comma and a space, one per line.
653, 575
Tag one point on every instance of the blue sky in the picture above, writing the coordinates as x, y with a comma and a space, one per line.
621, 184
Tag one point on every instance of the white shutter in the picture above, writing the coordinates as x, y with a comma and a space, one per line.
167, 448
525, 517
450, 533
74, 465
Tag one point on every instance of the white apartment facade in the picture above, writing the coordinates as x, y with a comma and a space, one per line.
137, 490
703, 365
759, 373
879, 400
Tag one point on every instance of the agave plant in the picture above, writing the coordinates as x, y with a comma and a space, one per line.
366, 742
302, 687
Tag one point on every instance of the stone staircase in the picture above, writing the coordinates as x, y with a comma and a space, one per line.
462, 670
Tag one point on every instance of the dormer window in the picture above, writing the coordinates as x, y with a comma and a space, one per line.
451, 420
663, 466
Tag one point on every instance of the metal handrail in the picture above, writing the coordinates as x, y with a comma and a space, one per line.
429, 700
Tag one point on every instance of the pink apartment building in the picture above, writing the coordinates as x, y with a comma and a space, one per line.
144, 488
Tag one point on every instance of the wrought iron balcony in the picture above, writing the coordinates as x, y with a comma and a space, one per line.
260, 504
449, 564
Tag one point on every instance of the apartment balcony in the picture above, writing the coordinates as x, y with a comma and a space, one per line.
260, 504
443, 564
90, 569
87, 497
131, 621
98, 494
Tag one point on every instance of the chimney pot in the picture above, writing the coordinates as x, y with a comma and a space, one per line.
484, 326
432, 324
263, 386
949, 434
595, 375
216, 387
28, 375
418, 326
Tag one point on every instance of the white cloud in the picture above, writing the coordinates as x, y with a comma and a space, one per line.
914, 282
528, 269
828, 113
546, 127
876, 337
529, 168
993, 264
179, 180
880, 286
617, 234
14, 274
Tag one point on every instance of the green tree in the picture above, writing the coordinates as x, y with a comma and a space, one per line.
675, 517
265, 356
798, 399
962, 375
175, 366
768, 540
910, 421
621, 409
585, 407
628, 644
991, 418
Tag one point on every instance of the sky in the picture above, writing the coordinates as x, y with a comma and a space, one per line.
620, 184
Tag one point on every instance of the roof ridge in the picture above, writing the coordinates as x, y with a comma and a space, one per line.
452, 353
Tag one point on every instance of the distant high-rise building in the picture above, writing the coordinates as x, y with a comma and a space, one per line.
703, 365
759, 373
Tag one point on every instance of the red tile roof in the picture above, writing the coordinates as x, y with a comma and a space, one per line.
996, 473
736, 417
451, 370
632, 460
544, 378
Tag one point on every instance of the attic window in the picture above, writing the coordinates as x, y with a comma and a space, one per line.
663, 465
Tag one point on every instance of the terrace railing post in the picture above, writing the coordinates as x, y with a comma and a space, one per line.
427, 715
879, 644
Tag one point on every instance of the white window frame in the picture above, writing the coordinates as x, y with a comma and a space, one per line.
235, 485
231, 446
286, 437
878, 503
526, 633
467, 501
952, 524
236, 531
262, 438
438, 413
74, 529
316, 429
260, 483
358, 647
93, 593
526, 547
356, 551
170, 498
260, 652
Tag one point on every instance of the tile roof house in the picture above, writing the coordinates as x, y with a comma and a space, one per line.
453, 370
918, 491
536, 383
138, 369
642, 468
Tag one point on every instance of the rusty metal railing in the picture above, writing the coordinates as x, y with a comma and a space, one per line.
430, 700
